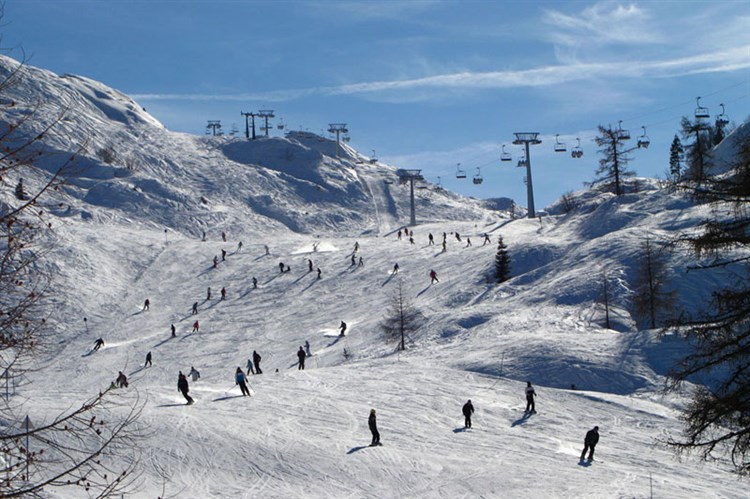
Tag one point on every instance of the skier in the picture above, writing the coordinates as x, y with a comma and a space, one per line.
98, 344
530, 394
373, 424
458, 237
223, 236
307, 349
195, 311
239, 246
395, 269
343, 328
203, 237
301, 356
249, 366
208, 293
255, 283
223, 254
319, 272
122, 380
184, 388
445, 247
411, 240
486, 239
256, 361
309, 265
361, 262
148, 360
356, 246
281, 267
223, 293
468, 242
196, 326
268, 251
194, 374
240, 379
216, 261
431, 239
354, 260
146, 304
433, 277
468, 410
399, 234
589, 443
174, 330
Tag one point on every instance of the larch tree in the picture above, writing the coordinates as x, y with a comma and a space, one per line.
613, 166
651, 299
401, 317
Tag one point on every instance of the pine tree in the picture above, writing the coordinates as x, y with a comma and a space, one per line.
718, 417
676, 152
502, 261
612, 169
20, 193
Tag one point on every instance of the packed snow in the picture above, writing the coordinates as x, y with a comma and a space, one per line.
133, 230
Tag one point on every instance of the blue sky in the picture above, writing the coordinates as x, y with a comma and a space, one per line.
426, 84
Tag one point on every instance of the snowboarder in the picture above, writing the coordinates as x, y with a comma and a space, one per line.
307, 349
309, 265
146, 304
216, 261
256, 361
468, 410
530, 394
249, 367
223, 254
281, 267
195, 310
255, 283
98, 344
208, 293
343, 328
319, 272
174, 330
223, 293
486, 239
301, 356
433, 277
194, 374
223, 236
240, 379
354, 260
395, 269
373, 424
196, 326
148, 360
431, 239
184, 388
122, 380
589, 443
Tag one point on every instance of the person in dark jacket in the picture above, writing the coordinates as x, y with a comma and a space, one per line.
373, 424
342, 327
148, 360
98, 344
468, 410
301, 356
240, 379
530, 394
146, 304
256, 362
122, 380
589, 443
183, 387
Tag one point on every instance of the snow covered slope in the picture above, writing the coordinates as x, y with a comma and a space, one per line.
304, 433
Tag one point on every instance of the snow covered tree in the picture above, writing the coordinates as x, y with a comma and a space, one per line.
718, 417
502, 261
401, 317
91, 446
698, 152
676, 152
651, 298
612, 170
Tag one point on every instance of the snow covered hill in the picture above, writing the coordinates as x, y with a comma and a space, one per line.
131, 229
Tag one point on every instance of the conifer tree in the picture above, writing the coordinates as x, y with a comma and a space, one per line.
651, 298
676, 152
502, 261
698, 152
401, 318
613, 166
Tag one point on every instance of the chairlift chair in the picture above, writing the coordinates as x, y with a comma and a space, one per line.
622, 134
505, 156
280, 126
477, 178
559, 146
374, 157
643, 140
700, 111
346, 138
577, 152
522, 163
459, 172
722, 120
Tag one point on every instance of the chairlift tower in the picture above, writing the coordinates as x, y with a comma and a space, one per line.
526, 139
214, 127
338, 129
409, 176
265, 114
247, 126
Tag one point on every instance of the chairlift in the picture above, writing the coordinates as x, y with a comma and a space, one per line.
559, 146
477, 178
346, 138
439, 185
622, 134
374, 157
459, 172
522, 163
577, 152
700, 111
643, 140
722, 120
505, 156
281, 125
